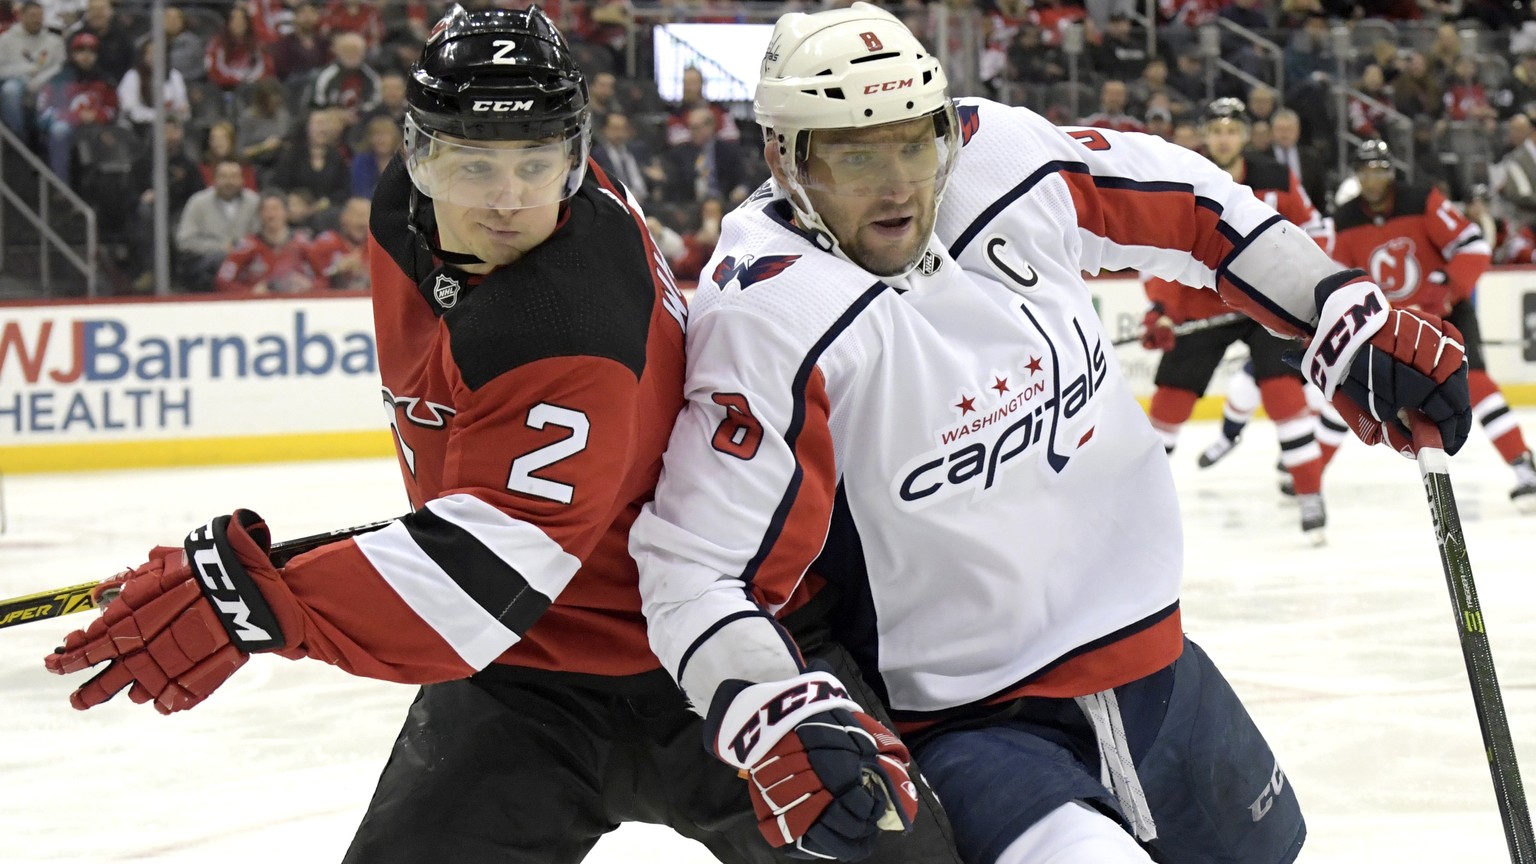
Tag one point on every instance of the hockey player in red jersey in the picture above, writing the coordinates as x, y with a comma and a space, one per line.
898, 381
1426, 254
1189, 361
530, 343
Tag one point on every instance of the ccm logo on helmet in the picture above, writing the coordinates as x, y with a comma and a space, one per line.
516, 105
900, 84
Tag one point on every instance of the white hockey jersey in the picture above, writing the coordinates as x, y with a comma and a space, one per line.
957, 450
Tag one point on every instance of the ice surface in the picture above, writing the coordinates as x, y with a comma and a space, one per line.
1346, 655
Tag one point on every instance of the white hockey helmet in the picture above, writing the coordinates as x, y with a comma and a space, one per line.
848, 68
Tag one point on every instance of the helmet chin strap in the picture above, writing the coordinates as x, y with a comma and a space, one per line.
426, 235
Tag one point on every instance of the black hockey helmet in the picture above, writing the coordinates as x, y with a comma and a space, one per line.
485, 78
1372, 153
1226, 108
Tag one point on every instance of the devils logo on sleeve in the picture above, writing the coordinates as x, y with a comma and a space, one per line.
1395, 267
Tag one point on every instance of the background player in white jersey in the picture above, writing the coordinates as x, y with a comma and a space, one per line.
917, 402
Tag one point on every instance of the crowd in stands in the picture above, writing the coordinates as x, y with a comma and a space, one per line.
281, 113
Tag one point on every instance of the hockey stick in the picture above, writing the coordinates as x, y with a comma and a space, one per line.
1494, 723
77, 598
1189, 327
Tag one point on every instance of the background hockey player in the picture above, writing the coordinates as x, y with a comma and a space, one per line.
1426, 254
917, 402
1191, 360
531, 386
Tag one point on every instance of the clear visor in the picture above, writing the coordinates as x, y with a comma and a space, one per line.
494, 175
896, 158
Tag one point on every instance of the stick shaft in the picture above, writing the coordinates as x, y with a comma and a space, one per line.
77, 598
1189, 327
1492, 720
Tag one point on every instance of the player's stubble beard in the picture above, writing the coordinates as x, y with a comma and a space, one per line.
851, 221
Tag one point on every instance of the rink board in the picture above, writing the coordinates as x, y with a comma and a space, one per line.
177, 381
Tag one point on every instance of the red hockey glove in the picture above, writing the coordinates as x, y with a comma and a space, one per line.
1157, 330
825, 778
1374, 362
177, 630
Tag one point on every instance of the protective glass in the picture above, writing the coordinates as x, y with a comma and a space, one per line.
883, 166
495, 175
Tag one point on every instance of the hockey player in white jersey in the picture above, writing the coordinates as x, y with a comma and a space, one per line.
897, 382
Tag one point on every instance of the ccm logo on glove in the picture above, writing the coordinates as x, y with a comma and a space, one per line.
1341, 335
242, 609
777, 708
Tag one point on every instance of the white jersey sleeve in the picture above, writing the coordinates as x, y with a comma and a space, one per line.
1127, 200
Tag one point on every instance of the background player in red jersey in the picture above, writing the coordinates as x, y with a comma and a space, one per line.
1189, 361
1426, 254
531, 386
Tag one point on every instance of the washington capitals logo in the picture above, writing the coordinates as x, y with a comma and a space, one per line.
970, 121
749, 271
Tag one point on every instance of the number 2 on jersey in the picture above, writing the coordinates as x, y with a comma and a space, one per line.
739, 434
521, 478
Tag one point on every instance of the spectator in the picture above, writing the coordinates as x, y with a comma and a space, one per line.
1237, 50
339, 257
383, 140
706, 165
184, 48
1159, 121
1465, 98
303, 214
264, 124
1052, 17
1309, 52
353, 16
1261, 102
302, 50
625, 159
218, 146
1187, 78
60, 15
1514, 176
1368, 116
1187, 135
1444, 51
1121, 54
272, 260
1293, 14
1112, 113
1154, 83
1306, 162
115, 52
699, 244
1517, 92
315, 162
234, 58
271, 20
138, 102
212, 222
348, 83
602, 97
29, 56
182, 181
1260, 137
1416, 91
1031, 61
679, 120
391, 105
77, 95
1181, 21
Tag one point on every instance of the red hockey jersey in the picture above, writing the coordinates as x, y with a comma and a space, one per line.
530, 409
1419, 233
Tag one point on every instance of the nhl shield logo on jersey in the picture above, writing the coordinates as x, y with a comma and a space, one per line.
750, 271
445, 290
1394, 265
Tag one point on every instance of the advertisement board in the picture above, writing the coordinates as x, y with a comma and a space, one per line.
181, 381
